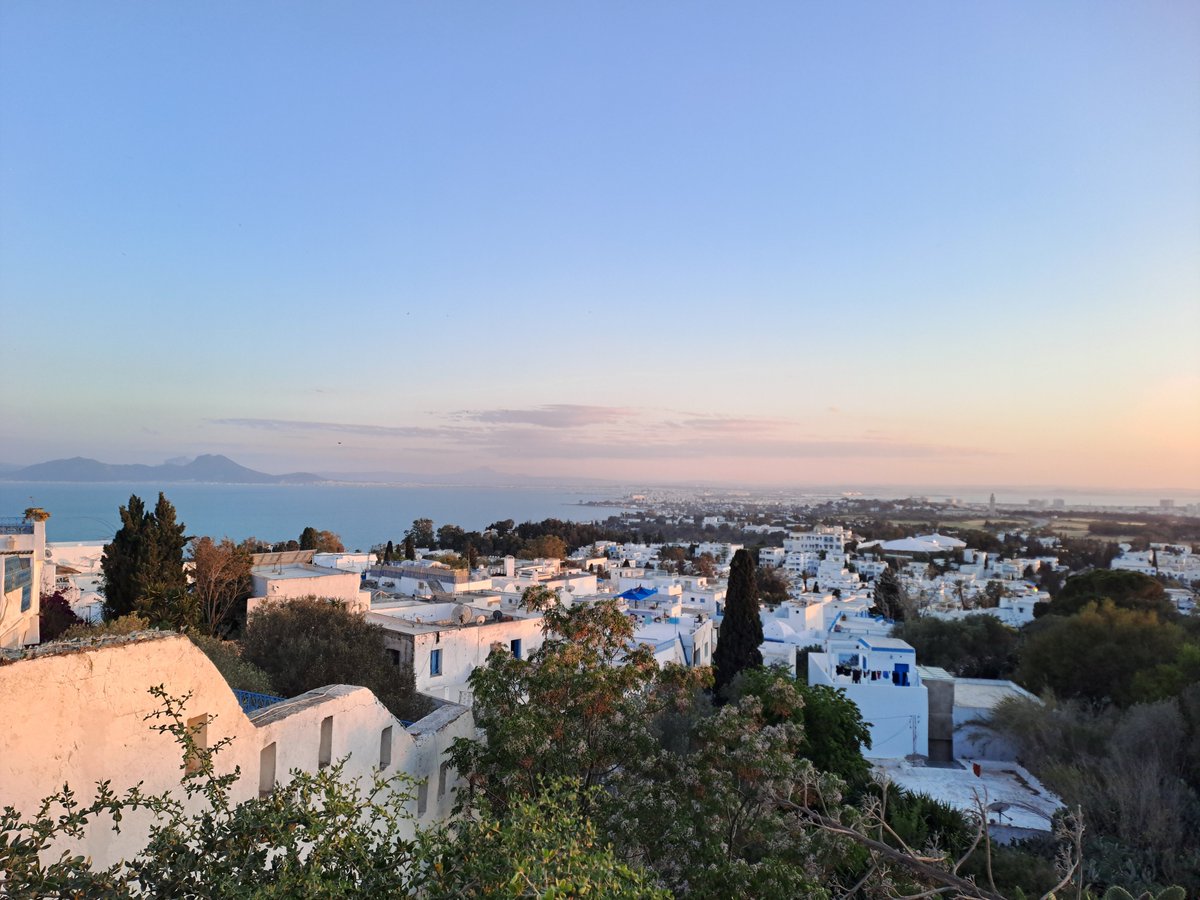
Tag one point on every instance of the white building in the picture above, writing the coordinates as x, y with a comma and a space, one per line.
77, 575
832, 574
683, 638
702, 595
771, 556
547, 573
22, 556
92, 727
880, 675
426, 579
1013, 611
868, 568
1171, 560
443, 643
637, 554
974, 701
921, 543
663, 582
806, 549
1184, 600
280, 581
721, 552
825, 539
358, 563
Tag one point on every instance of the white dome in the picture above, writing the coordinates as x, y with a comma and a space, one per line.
779, 630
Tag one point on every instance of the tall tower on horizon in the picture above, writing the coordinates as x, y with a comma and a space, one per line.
992, 506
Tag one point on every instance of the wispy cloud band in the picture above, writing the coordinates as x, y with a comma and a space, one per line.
578, 432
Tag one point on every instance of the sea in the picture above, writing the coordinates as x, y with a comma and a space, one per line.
368, 514
361, 514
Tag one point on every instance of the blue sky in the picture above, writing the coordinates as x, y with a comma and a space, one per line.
896, 243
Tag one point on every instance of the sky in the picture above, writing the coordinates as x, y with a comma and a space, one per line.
769, 243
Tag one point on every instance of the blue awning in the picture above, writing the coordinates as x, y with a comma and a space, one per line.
638, 593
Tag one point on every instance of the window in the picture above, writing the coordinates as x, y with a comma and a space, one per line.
198, 727
443, 777
325, 753
516, 648
394, 655
435, 662
385, 747
266, 770
422, 797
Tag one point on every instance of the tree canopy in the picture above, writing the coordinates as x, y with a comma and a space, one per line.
977, 646
221, 583
1126, 590
549, 715
1095, 654
321, 541
55, 616
308, 643
832, 728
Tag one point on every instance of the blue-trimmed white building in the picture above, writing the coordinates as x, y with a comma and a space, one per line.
880, 675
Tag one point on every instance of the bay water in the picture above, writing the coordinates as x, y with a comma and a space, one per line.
362, 515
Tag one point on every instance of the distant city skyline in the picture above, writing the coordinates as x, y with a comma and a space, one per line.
935, 244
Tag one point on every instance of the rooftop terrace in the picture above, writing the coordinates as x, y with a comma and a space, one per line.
295, 570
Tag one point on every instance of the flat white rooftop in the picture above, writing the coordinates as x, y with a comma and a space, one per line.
985, 693
664, 631
877, 642
1014, 797
296, 570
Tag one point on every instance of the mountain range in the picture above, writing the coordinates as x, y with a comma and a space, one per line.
208, 469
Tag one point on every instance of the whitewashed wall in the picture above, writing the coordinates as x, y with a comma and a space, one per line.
79, 716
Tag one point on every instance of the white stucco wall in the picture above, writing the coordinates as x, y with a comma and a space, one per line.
463, 649
79, 717
293, 581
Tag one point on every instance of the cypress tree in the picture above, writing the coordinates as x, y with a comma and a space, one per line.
309, 538
410, 547
145, 557
738, 645
165, 543
889, 596
122, 560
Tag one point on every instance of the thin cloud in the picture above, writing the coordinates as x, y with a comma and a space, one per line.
577, 432
405, 431
736, 424
556, 415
